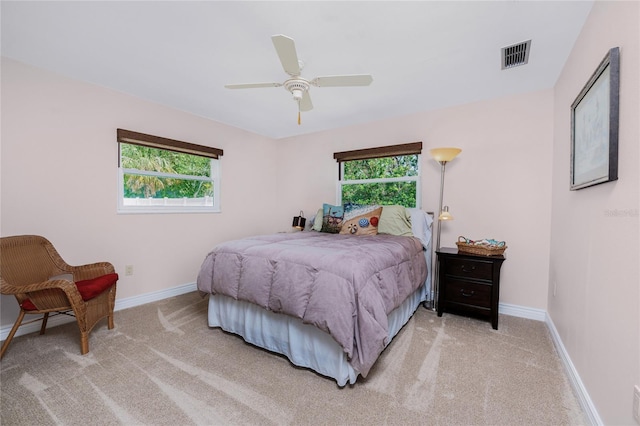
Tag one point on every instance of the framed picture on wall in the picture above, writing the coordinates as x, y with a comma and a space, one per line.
594, 126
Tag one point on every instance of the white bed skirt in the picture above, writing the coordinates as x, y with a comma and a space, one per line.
304, 344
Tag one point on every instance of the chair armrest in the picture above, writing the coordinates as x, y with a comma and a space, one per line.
6, 288
92, 270
68, 287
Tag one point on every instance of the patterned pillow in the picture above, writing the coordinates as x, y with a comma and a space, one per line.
332, 217
361, 220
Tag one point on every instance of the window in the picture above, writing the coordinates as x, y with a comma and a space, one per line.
159, 175
384, 175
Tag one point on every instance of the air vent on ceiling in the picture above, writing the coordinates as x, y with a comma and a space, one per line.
515, 55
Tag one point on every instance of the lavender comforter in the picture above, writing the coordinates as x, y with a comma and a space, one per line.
345, 285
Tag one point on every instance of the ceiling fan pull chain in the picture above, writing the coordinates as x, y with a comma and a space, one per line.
298, 118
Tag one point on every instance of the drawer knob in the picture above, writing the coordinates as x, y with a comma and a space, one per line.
468, 269
465, 294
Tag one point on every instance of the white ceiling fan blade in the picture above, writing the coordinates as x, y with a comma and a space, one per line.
251, 85
342, 80
305, 102
286, 49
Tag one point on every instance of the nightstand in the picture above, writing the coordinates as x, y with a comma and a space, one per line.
469, 284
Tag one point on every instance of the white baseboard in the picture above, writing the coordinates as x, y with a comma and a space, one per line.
576, 383
143, 299
522, 312
125, 303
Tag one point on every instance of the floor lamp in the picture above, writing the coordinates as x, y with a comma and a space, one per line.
442, 156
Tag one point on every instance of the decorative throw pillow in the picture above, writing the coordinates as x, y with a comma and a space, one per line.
395, 220
332, 217
361, 220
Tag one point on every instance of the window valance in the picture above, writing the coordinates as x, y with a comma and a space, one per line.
136, 138
379, 152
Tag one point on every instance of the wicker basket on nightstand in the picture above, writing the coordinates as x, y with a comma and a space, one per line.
466, 245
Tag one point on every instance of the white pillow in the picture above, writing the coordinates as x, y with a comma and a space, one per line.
421, 223
317, 221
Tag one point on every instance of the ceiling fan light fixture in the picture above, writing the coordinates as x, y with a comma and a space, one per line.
297, 94
296, 84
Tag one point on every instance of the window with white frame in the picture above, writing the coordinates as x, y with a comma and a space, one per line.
384, 175
160, 175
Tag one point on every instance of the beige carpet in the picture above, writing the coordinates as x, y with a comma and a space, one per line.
163, 365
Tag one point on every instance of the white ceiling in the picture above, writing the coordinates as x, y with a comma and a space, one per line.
423, 55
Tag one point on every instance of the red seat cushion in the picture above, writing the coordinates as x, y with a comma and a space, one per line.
88, 289
91, 288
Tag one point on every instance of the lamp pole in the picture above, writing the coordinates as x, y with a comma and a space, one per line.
435, 287
442, 156
442, 167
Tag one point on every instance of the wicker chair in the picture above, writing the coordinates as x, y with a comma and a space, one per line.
43, 283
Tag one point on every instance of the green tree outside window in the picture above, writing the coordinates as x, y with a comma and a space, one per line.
162, 161
384, 181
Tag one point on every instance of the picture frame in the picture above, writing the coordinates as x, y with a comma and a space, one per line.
594, 126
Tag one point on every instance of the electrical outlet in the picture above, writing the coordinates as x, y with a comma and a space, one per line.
636, 403
128, 270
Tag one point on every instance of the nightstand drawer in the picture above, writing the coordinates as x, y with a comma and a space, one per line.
469, 268
468, 293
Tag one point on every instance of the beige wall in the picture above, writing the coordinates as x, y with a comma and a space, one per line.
59, 179
594, 253
498, 187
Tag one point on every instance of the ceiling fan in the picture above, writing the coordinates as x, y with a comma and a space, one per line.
299, 86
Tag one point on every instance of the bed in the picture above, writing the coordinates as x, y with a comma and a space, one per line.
329, 302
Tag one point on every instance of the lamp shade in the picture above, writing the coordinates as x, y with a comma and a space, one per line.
444, 214
445, 154
299, 221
